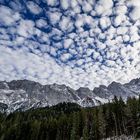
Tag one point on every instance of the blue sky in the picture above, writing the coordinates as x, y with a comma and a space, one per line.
73, 42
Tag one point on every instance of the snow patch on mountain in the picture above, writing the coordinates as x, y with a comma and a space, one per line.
24, 94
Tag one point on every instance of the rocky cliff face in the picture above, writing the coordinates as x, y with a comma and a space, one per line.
24, 94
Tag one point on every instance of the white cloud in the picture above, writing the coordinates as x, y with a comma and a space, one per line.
105, 22
133, 3
68, 43
7, 16
119, 19
33, 7
26, 28
41, 23
65, 4
83, 43
65, 57
51, 2
54, 17
106, 5
122, 30
66, 24
135, 14
120, 10
87, 7
103, 7
126, 38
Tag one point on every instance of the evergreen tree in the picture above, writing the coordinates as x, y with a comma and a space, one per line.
101, 123
75, 127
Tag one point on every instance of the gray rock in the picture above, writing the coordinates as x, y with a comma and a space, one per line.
25, 94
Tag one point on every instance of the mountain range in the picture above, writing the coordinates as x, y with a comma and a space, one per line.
25, 94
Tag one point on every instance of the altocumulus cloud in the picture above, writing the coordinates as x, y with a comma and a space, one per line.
72, 42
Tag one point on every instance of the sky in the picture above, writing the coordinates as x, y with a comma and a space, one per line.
79, 43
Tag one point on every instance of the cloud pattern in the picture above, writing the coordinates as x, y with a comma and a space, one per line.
72, 42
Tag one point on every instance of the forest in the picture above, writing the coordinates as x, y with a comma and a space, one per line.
69, 121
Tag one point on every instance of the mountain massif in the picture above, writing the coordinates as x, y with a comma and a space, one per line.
25, 94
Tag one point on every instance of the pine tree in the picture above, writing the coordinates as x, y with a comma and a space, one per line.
85, 132
101, 123
34, 130
75, 127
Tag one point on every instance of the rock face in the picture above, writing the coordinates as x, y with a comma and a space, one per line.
24, 94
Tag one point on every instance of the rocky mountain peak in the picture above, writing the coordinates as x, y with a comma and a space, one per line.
25, 94
84, 91
3, 85
134, 82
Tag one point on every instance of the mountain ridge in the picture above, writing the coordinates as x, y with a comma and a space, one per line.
26, 94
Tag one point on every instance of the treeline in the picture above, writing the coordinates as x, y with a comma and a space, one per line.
69, 121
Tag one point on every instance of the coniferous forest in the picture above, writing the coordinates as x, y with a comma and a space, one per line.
69, 121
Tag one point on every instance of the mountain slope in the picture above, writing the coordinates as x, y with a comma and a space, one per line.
24, 94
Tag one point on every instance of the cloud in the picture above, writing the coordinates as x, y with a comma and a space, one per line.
7, 16
64, 4
51, 2
77, 43
41, 23
54, 17
135, 14
103, 7
66, 24
105, 22
33, 7
25, 28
